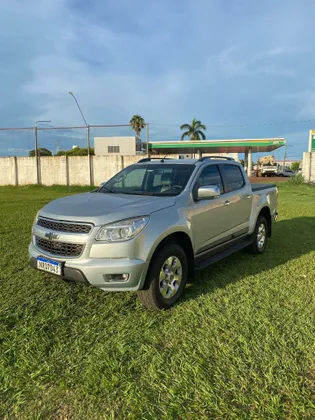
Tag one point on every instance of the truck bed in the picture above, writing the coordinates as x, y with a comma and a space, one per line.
259, 187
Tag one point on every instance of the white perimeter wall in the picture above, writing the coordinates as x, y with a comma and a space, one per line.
62, 170
74, 170
309, 166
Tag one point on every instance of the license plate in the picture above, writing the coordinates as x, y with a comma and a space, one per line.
48, 265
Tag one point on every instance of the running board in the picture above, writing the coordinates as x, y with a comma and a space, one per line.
205, 262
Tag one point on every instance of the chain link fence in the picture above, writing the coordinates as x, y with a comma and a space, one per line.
49, 140
44, 140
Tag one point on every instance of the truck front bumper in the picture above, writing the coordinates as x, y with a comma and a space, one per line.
112, 274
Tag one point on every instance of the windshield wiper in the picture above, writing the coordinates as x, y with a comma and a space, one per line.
138, 193
103, 189
107, 189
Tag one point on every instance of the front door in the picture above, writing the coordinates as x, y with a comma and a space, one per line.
209, 217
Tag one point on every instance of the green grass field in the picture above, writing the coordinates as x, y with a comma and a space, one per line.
239, 345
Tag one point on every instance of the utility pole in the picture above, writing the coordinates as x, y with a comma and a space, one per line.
88, 138
285, 154
37, 154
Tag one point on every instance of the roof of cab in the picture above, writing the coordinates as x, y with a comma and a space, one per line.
205, 159
167, 160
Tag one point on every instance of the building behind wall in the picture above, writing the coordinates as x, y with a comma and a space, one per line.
287, 163
104, 146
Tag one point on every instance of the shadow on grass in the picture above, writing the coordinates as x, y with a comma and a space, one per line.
290, 240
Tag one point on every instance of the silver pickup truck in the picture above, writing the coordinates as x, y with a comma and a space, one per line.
152, 225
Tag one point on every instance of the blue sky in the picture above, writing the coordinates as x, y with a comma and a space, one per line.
228, 63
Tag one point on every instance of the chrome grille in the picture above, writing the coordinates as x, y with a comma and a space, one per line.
63, 249
63, 226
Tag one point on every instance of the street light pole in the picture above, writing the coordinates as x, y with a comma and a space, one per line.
37, 155
87, 125
76, 101
88, 137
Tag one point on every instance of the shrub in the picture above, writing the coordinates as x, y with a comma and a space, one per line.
41, 152
297, 179
77, 151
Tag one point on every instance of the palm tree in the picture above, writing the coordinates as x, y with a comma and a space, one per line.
194, 131
137, 124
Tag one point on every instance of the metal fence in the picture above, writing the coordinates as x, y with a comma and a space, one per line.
30, 141
21, 141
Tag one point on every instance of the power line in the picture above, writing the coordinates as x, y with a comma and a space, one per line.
66, 128
240, 125
50, 127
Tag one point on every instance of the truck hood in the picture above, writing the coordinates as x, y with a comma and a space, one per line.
103, 208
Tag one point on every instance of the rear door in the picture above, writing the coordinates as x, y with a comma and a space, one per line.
238, 198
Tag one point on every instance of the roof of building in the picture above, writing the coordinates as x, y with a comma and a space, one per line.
216, 146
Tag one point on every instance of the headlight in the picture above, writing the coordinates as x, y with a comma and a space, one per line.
122, 231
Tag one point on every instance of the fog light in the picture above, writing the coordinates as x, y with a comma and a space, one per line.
116, 277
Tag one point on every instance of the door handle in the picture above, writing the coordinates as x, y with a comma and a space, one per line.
227, 203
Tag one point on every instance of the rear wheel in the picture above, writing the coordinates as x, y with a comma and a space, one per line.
260, 236
166, 278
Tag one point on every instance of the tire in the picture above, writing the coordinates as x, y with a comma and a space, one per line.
166, 278
259, 236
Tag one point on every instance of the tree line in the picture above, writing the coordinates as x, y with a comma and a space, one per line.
76, 151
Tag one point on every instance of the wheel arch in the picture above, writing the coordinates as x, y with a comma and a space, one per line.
183, 240
265, 212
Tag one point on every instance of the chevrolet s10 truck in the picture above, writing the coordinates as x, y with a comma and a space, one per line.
152, 225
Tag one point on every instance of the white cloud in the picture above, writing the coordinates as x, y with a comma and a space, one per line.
241, 60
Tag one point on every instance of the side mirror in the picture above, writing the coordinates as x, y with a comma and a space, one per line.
208, 192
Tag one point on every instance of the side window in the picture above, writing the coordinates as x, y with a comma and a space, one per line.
210, 176
234, 177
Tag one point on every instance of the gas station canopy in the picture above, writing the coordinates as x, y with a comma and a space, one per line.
216, 146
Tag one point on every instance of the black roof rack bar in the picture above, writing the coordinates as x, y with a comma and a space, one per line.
154, 158
214, 157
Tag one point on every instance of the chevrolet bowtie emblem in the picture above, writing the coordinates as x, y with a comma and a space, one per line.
51, 236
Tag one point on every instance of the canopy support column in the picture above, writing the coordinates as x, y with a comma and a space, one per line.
246, 161
249, 162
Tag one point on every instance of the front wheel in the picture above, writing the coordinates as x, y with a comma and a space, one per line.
260, 236
166, 278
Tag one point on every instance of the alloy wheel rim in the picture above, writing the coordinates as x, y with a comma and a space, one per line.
261, 236
170, 278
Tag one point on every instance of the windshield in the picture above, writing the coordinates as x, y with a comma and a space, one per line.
151, 179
